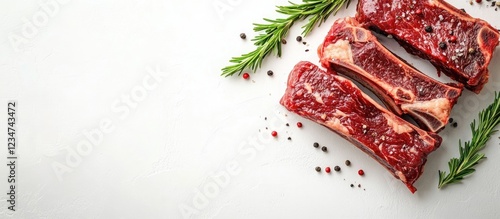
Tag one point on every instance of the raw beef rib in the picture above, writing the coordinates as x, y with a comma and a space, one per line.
335, 102
354, 51
454, 42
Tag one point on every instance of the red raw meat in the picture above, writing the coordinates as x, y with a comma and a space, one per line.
336, 103
454, 42
354, 51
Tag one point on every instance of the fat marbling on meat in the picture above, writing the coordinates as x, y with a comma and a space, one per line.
336, 103
454, 42
354, 51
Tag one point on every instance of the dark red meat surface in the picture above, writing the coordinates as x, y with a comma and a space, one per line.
339, 105
354, 51
465, 59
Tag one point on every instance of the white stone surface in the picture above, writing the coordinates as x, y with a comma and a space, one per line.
166, 131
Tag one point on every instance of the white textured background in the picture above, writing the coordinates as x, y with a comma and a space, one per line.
170, 129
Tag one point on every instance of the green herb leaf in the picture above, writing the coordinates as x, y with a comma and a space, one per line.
461, 167
276, 30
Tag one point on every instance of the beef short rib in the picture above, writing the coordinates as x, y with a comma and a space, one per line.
336, 103
354, 51
454, 42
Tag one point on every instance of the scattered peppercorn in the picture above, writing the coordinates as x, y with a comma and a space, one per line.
463, 10
455, 124
428, 29
299, 39
359, 185
246, 76
299, 124
361, 172
283, 41
450, 120
304, 43
352, 185
270, 73
287, 124
318, 169
328, 170
243, 36
316, 144
336, 168
289, 138
274, 133
453, 39
442, 45
307, 50
348, 163
324, 149
265, 118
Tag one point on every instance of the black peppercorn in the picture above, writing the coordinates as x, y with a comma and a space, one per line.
450, 120
455, 124
283, 41
348, 163
243, 36
352, 185
336, 168
318, 169
299, 39
428, 29
316, 144
442, 45
270, 73
324, 149
287, 124
289, 138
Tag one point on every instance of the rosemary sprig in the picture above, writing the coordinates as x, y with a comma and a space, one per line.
469, 154
276, 30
